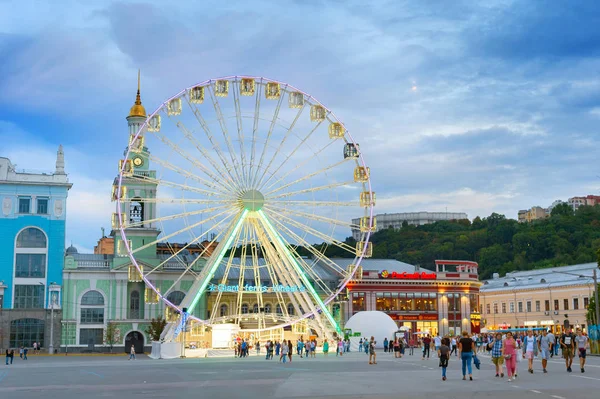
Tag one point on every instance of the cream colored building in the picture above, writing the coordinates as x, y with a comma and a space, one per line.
534, 213
539, 298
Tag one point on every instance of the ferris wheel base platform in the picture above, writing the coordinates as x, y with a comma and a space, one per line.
172, 350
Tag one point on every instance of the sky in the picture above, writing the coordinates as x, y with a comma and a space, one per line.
464, 106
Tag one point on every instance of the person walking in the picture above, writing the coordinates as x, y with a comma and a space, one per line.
132, 353
340, 347
360, 345
7, 356
289, 349
444, 354
284, 353
396, 346
325, 348
545, 348
411, 345
277, 348
426, 346
567, 344
552, 340
21, 352
453, 343
372, 355
366, 346
497, 347
582, 342
257, 345
530, 349
385, 344
466, 350
509, 351
25, 350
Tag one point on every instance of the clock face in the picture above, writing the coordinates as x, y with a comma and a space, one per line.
137, 161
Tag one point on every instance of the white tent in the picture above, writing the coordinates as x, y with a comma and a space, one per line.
372, 323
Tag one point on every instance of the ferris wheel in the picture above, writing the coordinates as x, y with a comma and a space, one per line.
257, 182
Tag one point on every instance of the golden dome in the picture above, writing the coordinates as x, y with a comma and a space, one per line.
138, 109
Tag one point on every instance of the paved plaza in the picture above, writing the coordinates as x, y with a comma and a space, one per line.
348, 377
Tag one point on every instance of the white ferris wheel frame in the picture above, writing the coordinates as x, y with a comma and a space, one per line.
320, 305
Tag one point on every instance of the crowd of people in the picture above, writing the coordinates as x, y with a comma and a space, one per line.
506, 349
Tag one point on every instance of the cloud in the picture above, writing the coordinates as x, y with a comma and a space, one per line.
504, 115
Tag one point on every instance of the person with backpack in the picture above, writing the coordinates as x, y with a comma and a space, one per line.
530, 349
444, 355
372, 354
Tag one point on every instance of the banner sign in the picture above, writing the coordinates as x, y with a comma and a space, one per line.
255, 288
408, 276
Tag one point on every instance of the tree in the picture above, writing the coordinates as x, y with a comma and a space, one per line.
562, 209
156, 328
112, 334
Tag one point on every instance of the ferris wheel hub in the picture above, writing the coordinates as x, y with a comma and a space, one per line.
252, 200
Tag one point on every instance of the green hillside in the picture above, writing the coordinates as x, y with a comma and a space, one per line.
498, 244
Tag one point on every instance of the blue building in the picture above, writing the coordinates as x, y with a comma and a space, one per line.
32, 247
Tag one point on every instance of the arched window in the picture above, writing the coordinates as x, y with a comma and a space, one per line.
255, 308
267, 308
134, 305
24, 332
92, 298
92, 308
290, 309
31, 238
223, 310
176, 297
244, 308
278, 309
31, 253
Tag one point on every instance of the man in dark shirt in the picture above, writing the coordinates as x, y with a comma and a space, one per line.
567, 343
426, 346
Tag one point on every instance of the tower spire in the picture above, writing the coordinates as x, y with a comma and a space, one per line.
138, 109
60, 161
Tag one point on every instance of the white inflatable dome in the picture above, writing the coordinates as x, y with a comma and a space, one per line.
372, 323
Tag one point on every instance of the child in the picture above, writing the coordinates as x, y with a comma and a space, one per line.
444, 355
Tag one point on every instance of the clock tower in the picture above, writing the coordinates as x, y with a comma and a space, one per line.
139, 189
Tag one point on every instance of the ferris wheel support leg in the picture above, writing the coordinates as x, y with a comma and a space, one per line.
275, 237
202, 281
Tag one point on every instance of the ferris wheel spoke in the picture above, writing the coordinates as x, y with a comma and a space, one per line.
287, 134
167, 183
314, 203
225, 276
311, 248
225, 178
185, 201
182, 172
270, 261
313, 232
313, 189
281, 268
174, 216
228, 143
190, 267
291, 154
255, 126
306, 177
215, 145
271, 127
183, 230
283, 248
240, 128
312, 216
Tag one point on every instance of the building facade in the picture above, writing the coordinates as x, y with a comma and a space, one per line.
535, 213
32, 245
444, 301
539, 298
395, 220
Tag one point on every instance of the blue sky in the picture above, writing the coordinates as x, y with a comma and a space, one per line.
473, 106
